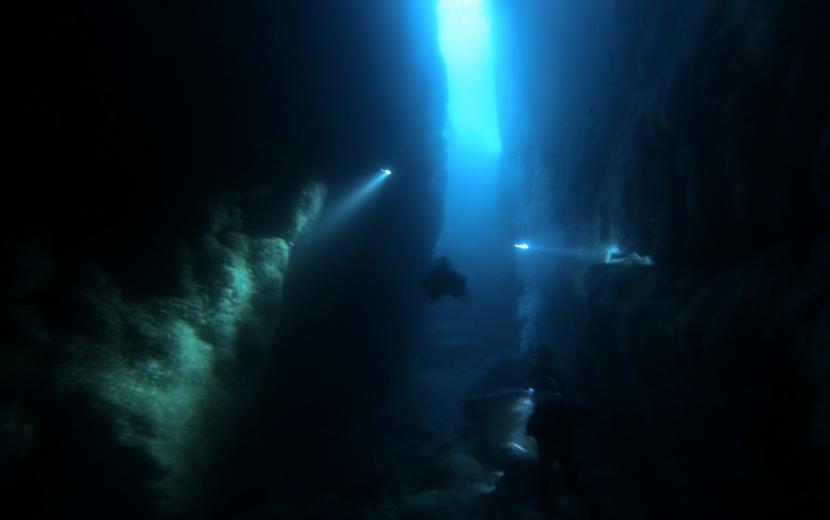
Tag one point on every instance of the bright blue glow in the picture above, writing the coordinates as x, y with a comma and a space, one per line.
470, 234
521, 246
385, 172
610, 252
464, 38
614, 255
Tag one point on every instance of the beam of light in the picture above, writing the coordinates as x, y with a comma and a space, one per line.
610, 255
471, 222
464, 39
350, 203
591, 255
568, 251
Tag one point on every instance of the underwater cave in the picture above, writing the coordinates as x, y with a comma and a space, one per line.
416, 259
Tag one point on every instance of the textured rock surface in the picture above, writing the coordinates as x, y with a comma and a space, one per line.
694, 132
160, 371
169, 160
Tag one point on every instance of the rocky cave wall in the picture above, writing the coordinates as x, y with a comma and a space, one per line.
170, 157
697, 133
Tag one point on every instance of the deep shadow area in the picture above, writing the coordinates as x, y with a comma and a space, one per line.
708, 368
77, 468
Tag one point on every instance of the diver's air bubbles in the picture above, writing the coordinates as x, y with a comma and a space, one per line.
521, 245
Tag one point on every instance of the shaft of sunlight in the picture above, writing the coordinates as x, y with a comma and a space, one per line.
465, 42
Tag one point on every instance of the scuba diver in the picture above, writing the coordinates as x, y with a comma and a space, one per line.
443, 280
614, 255
553, 425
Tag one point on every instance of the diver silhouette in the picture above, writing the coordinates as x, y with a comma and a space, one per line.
553, 424
443, 280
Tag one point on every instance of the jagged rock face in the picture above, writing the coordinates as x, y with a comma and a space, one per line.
158, 372
173, 158
160, 369
694, 132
